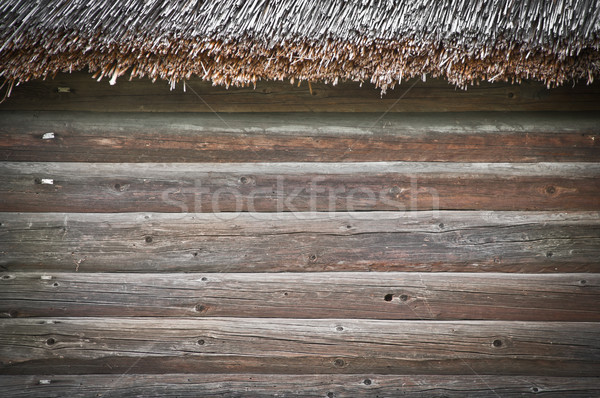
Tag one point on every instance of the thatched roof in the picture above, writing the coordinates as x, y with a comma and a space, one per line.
237, 42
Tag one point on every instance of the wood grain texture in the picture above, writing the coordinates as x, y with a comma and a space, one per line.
297, 187
243, 345
364, 295
257, 385
85, 94
118, 279
302, 242
292, 137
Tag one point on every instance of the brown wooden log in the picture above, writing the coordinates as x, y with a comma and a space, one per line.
365, 295
479, 137
78, 91
297, 187
272, 242
297, 346
259, 385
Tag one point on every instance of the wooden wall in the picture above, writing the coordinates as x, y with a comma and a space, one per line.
78, 92
324, 242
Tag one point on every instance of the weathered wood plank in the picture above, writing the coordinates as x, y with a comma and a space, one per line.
126, 137
335, 386
271, 242
242, 345
85, 94
278, 187
364, 295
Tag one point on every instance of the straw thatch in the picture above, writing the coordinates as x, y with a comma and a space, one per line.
236, 42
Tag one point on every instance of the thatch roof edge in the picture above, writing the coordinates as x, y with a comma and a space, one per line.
238, 43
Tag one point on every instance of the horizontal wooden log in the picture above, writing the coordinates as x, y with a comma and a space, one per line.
127, 137
297, 187
78, 91
335, 386
274, 242
364, 295
242, 345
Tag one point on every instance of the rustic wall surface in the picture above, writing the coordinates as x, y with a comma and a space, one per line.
301, 241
